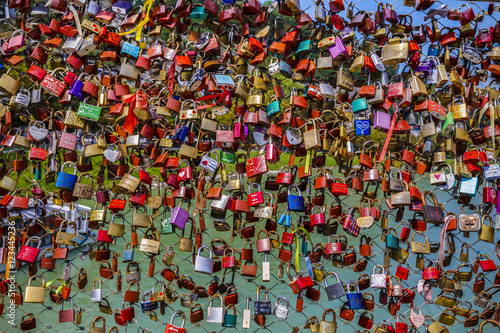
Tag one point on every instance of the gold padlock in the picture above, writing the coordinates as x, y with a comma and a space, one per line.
129, 182
312, 137
344, 79
395, 51
8, 84
255, 99
140, 220
459, 110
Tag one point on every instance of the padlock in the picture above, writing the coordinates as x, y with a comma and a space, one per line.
202, 264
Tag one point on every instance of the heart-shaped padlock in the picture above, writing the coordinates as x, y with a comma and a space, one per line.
112, 153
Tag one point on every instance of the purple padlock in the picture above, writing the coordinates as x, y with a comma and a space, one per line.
179, 217
337, 49
382, 121
498, 202
77, 90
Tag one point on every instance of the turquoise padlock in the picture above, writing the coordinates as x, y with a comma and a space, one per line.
359, 105
273, 107
198, 12
304, 46
230, 319
130, 50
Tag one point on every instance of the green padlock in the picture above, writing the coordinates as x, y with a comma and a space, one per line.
448, 124
226, 157
230, 319
89, 112
166, 227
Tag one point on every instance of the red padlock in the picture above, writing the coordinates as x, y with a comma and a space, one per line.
490, 192
317, 218
431, 272
333, 247
257, 198
402, 272
405, 232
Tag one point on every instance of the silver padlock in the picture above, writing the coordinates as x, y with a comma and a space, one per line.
202, 264
96, 293
133, 275
221, 203
93, 8
280, 310
293, 136
36, 95
335, 290
274, 66
23, 98
450, 180
326, 90
72, 44
83, 226
215, 314
209, 164
67, 270
87, 46
266, 269
247, 315
377, 62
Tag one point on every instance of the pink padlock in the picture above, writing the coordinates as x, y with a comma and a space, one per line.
67, 140
239, 131
489, 193
271, 153
257, 198
16, 41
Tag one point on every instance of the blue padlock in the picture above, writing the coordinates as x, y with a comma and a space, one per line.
130, 50
296, 203
433, 50
363, 126
146, 304
65, 180
128, 254
122, 7
79, 239
359, 105
354, 300
285, 69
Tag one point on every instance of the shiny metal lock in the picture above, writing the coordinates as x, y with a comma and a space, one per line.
293, 136
72, 44
378, 280
23, 98
335, 290
202, 264
209, 164
280, 310
86, 46
215, 314
96, 293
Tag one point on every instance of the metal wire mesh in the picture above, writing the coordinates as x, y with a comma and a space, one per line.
46, 314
